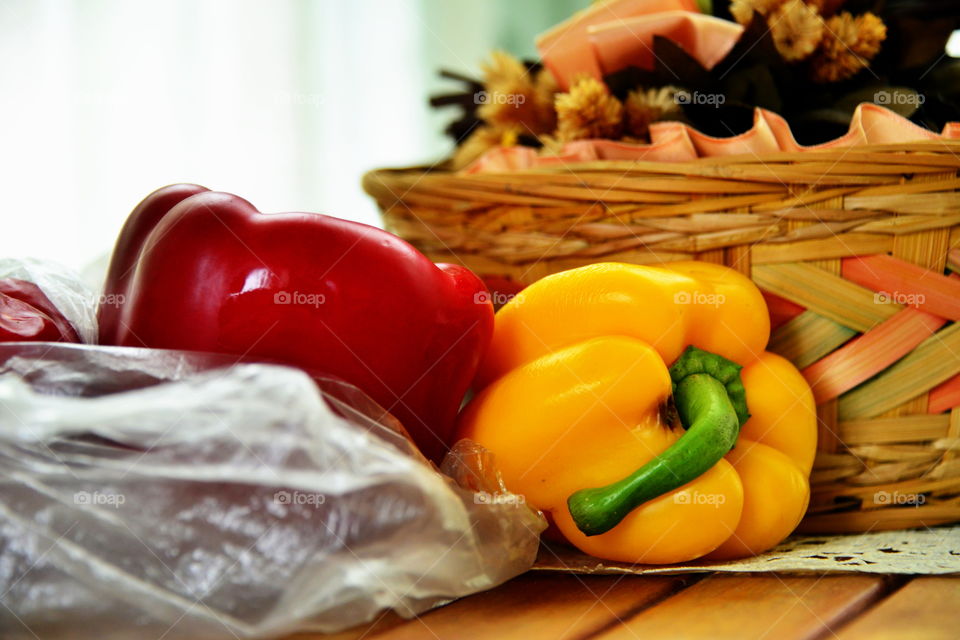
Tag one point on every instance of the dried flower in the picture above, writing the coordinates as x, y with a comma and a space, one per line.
480, 140
588, 111
848, 46
796, 29
644, 107
743, 10
871, 32
515, 98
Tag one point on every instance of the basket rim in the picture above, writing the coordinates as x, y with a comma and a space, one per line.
893, 153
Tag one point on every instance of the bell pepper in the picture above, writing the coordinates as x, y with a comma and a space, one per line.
26, 313
638, 409
201, 270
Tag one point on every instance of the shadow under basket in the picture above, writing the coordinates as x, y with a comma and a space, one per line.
889, 437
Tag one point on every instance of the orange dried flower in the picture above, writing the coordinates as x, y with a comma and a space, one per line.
743, 10
514, 98
588, 110
796, 28
849, 43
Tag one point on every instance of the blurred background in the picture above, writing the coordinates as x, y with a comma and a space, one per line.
285, 103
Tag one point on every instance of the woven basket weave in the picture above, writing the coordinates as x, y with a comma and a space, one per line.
787, 220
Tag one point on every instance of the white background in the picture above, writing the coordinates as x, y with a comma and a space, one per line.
284, 102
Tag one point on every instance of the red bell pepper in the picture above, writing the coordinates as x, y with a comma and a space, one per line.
26, 313
201, 270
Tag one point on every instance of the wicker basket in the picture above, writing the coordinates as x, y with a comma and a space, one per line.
787, 220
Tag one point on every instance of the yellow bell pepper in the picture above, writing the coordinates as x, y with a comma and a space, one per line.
631, 460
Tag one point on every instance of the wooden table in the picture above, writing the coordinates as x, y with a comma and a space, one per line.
549, 606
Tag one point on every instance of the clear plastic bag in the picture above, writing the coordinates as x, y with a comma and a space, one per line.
65, 289
231, 502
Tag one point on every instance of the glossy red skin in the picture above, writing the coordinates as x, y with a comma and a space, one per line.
26, 313
212, 273
138, 225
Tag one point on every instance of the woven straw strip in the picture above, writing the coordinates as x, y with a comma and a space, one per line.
830, 296
820, 230
921, 203
681, 185
870, 353
916, 428
808, 337
928, 515
909, 224
910, 186
935, 360
822, 215
865, 493
806, 198
849, 244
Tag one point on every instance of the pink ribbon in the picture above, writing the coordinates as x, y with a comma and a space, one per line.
678, 142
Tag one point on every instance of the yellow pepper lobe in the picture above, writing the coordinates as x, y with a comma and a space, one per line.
730, 316
782, 407
592, 301
775, 498
678, 526
595, 400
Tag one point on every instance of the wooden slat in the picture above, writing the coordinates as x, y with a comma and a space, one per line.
926, 607
757, 606
539, 606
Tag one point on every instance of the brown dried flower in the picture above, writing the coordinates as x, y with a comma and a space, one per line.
515, 98
796, 29
849, 44
588, 111
743, 10
644, 107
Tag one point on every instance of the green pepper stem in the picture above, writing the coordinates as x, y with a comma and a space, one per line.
711, 403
